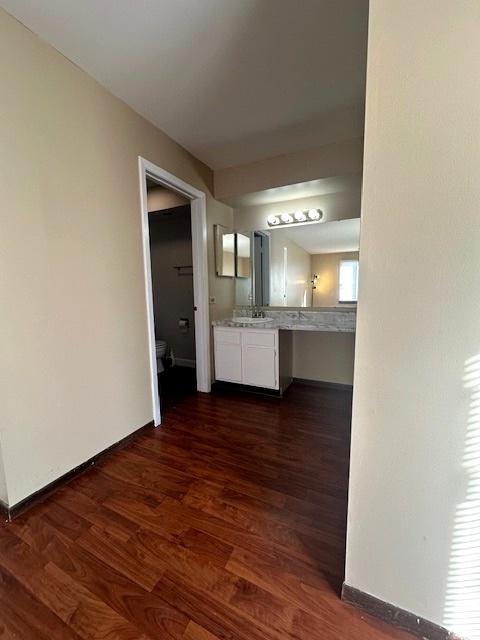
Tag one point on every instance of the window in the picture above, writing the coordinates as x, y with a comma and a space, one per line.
348, 281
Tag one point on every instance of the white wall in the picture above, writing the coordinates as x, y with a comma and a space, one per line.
73, 327
413, 536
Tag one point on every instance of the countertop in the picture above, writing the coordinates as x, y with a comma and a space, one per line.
343, 321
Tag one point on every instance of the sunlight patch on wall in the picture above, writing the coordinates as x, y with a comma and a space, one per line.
462, 605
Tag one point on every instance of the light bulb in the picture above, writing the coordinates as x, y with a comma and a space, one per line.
286, 217
313, 214
272, 220
300, 216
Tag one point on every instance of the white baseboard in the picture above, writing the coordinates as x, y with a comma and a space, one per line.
185, 362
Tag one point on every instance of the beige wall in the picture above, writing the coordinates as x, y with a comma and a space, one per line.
336, 159
159, 198
327, 266
413, 536
73, 328
323, 356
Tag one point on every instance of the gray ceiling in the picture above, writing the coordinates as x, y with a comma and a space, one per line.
233, 81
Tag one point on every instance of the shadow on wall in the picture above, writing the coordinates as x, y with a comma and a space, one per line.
462, 600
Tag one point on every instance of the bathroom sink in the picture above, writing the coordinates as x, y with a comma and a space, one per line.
247, 320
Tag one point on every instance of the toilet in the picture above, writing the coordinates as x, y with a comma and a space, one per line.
161, 351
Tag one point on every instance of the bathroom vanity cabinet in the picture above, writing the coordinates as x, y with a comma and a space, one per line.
254, 357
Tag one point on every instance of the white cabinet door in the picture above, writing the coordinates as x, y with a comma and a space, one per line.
259, 358
228, 354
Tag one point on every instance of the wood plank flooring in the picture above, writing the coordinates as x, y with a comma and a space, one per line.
228, 522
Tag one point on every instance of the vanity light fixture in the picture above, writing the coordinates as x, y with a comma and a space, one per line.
298, 217
273, 220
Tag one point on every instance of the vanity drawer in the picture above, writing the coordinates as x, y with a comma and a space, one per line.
229, 336
259, 338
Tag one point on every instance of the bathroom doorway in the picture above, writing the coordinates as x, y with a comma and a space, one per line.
170, 230
176, 284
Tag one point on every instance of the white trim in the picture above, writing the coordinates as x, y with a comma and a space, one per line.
200, 275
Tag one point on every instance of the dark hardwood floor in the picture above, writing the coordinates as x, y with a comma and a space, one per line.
175, 384
227, 522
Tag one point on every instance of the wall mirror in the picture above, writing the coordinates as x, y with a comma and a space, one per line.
311, 265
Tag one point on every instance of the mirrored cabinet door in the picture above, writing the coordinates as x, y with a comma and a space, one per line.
232, 253
224, 251
243, 255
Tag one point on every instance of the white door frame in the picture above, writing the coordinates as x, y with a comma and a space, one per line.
200, 275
